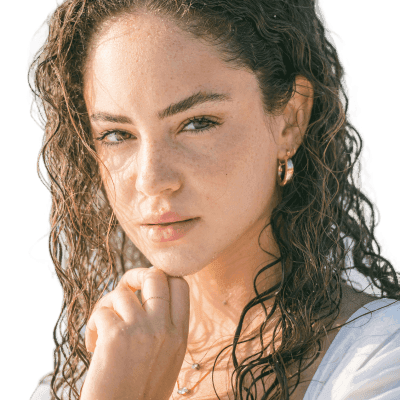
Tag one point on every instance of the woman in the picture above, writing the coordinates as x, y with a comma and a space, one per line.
209, 140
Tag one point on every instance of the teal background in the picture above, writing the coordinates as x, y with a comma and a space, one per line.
30, 299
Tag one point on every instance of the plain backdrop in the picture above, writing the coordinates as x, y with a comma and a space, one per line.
366, 37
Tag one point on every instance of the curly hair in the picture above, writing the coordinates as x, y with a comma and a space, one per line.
322, 216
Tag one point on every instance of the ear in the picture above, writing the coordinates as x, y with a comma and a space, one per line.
296, 117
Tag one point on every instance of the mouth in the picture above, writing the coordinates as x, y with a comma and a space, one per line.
171, 223
166, 218
169, 231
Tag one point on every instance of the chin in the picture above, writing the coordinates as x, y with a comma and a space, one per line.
178, 266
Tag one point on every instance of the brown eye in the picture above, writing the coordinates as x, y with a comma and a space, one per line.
200, 121
114, 138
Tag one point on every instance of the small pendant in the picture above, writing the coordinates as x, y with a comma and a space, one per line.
196, 366
183, 391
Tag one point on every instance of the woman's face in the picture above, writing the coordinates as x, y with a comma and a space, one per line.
218, 171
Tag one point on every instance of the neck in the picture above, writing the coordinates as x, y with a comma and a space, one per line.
221, 290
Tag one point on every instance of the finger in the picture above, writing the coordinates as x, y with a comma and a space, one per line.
124, 302
121, 302
180, 303
152, 283
127, 305
102, 320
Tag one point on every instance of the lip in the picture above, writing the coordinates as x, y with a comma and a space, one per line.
168, 231
168, 217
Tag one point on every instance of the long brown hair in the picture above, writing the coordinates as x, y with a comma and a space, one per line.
322, 215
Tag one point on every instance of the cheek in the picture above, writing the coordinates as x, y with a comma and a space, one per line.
243, 172
117, 161
115, 175
248, 194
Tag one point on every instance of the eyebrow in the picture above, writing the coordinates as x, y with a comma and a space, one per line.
173, 109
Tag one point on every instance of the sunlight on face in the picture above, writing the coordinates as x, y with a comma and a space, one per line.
208, 170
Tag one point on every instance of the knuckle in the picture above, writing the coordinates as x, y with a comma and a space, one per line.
100, 302
154, 272
140, 332
142, 336
119, 334
123, 294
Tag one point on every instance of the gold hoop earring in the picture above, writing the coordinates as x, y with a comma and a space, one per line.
289, 170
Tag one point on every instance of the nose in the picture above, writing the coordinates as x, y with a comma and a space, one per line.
155, 170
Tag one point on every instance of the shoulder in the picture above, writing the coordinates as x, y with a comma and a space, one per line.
363, 361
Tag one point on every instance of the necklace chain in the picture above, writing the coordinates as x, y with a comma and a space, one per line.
184, 391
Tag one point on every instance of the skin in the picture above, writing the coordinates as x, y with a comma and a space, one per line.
225, 176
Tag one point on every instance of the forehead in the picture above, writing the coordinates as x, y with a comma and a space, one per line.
147, 61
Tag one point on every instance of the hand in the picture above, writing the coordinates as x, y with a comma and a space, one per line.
138, 351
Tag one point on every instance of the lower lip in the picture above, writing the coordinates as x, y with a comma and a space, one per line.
168, 233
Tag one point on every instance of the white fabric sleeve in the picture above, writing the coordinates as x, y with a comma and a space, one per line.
363, 361
42, 391
378, 378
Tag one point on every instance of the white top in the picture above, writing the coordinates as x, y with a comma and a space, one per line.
362, 363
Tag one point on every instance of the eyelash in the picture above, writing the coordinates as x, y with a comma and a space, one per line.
212, 124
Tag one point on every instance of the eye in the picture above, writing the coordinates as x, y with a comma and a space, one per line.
200, 120
112, 137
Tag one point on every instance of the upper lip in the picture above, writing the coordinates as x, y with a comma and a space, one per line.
168, 217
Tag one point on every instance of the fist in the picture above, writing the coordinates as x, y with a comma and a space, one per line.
138, 351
